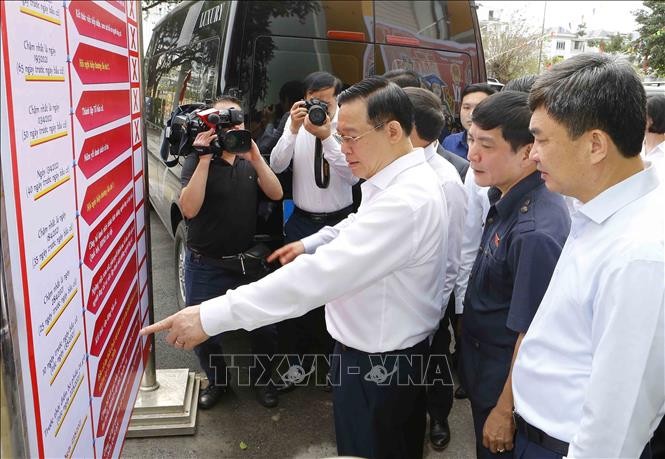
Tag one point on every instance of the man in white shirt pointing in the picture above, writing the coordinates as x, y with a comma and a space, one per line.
380, 273
589, 377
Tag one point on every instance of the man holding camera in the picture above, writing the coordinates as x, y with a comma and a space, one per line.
322, 182
219, 200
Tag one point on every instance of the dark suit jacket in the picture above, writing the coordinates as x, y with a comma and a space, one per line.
461, 164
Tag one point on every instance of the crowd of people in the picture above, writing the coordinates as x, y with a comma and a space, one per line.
531, 242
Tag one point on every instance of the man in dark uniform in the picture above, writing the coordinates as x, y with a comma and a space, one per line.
522, 239
219, 200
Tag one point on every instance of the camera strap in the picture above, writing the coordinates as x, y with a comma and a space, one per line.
321, 166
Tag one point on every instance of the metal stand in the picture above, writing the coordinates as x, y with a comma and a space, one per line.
168, 409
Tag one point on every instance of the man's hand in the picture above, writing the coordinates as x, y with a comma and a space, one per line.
184, 327
499, 430
298, 114
203, 140
287, 253
322, 132
252, 155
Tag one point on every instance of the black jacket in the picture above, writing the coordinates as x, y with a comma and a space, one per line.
461, 164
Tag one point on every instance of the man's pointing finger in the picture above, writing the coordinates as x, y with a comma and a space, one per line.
157, 327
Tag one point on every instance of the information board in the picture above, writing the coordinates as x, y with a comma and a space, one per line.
73, 187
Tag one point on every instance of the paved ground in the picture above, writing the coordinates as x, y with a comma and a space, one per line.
300, 427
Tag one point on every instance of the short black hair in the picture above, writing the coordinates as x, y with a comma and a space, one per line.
508, 110
317, 81
385, 101
404, 78
522, 84
477, 87
428, 113
656, 111
595, 91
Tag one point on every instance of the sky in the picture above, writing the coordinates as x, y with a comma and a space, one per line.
612, 16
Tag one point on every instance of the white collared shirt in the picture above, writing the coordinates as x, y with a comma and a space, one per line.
478, 205
300, 148
456, 201
591, 368
380, 271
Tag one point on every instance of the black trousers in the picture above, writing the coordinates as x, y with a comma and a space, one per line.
379, 416
526, 449
439, 375
658, 441
204, 281
483, 371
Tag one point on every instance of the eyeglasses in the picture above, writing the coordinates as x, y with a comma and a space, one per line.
342, 139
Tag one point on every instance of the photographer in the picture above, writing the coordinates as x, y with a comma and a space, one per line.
322, 184
219, 200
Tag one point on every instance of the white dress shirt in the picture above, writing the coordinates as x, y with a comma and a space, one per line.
306, 194
591, 368
380, 271
455, 195
478, 205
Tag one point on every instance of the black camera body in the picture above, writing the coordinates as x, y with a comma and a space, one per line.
184, 128
317, 111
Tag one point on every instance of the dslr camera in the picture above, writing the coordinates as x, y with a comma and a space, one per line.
317, 111
186, 125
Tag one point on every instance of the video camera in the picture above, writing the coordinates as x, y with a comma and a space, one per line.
317, 110
191, 120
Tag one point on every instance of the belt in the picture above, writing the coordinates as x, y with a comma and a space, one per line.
225, 262
324, 216
424, 343
537, 436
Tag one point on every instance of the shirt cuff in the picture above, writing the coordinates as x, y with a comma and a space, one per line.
459, 305
329, 141
215, 316
311, 243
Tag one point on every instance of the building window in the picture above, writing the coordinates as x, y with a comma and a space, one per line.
560, 45
578, 46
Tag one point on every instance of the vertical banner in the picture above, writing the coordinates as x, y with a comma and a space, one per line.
72, 182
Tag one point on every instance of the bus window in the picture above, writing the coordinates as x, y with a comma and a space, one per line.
167, 32
293, 59
179, 77
437, 20
314, 19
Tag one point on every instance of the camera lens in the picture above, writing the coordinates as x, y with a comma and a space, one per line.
317, 115
238, 141
230, 142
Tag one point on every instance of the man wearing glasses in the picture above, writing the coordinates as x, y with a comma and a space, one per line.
379, 272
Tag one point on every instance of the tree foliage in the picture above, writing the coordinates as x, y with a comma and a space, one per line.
650, 45
511, 51
581, 29
616, 44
